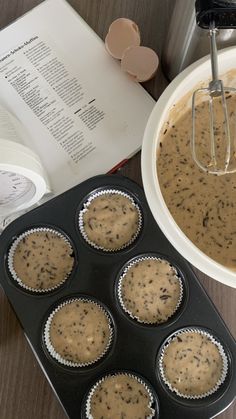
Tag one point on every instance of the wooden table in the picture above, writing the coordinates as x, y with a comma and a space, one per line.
24, 390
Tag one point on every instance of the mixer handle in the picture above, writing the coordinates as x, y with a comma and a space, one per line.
222, 12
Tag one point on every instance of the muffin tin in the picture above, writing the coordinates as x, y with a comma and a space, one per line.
136, 347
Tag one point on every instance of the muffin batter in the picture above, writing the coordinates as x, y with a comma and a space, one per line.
192, 363
202, 204
42, 260
120, 396
150, 290
111, 221
80, 332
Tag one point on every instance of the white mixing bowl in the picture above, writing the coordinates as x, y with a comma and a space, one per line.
182, 84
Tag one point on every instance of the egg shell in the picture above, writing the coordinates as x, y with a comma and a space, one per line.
141, 63
122, 34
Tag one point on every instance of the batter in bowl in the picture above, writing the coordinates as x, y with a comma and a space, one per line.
203, 205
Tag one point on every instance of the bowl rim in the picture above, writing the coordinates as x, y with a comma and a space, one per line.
160, 211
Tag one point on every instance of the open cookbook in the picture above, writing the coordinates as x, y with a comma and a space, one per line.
83, 115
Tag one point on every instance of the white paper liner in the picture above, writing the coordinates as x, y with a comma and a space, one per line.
85, 208
55, 354
221, 351
93, 389
11, 253
119, 289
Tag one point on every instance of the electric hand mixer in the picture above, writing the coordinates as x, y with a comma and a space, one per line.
221, 158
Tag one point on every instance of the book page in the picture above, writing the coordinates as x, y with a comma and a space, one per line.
82, 113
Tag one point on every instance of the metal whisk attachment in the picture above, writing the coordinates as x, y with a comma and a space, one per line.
218, 156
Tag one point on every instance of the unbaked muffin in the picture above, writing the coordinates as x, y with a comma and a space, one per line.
110, 220
120, 396
78, 332
150, 290
41, 259
193, 364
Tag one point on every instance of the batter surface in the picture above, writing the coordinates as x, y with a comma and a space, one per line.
80, 332
42, 260
150, 290
120, 397
203, 205
192, 364
111, 221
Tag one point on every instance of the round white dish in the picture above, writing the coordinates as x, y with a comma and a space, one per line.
182, 84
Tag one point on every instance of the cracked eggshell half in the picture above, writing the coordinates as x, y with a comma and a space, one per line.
141, 63
122, 34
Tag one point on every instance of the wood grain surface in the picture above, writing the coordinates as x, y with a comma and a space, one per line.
24, 390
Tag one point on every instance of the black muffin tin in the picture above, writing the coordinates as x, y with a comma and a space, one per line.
136, 346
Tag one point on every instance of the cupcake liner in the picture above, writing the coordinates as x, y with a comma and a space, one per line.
221, 352
55, 355
10, 260
85, 208
119, 289
95, 386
